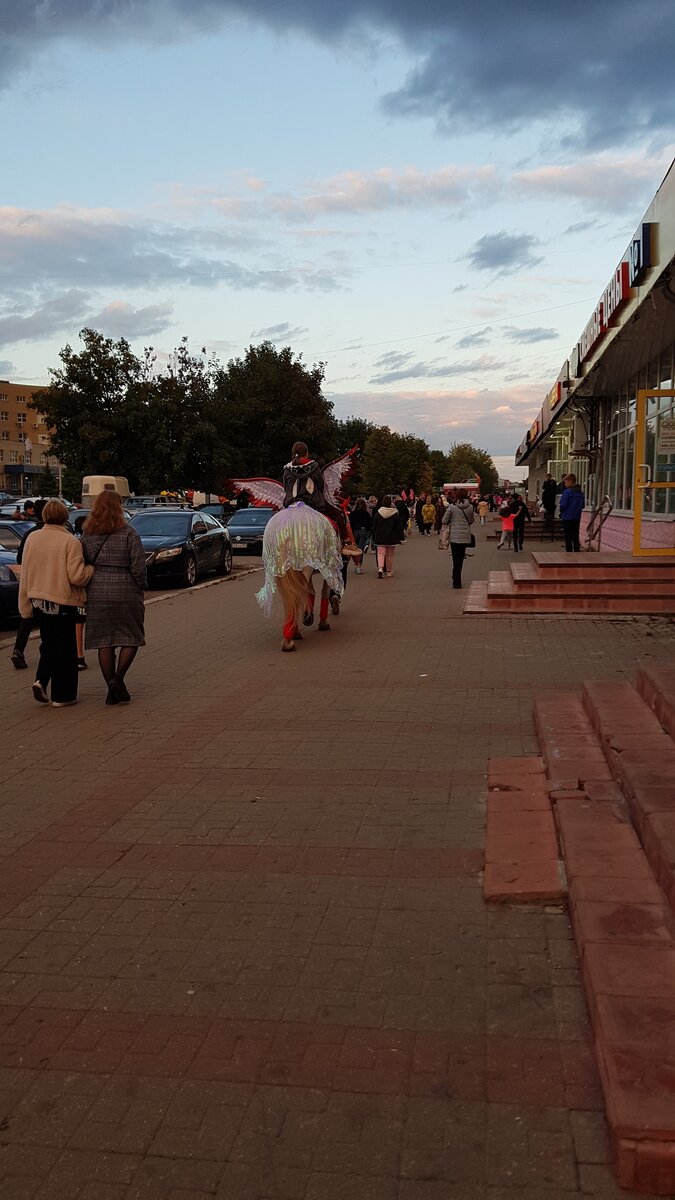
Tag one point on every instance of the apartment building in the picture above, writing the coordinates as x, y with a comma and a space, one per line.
24, 440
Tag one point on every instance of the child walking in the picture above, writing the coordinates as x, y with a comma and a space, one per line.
507, 518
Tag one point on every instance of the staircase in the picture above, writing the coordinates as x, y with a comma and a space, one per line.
609, 756
536, 530
576, 583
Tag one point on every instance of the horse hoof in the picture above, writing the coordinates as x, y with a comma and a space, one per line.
308, 618
287, 645
323, 626
335, 604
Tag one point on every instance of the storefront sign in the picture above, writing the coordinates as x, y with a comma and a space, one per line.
640, 254
666, 438
555, 395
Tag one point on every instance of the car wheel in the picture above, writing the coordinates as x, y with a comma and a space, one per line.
225, 564
189, 576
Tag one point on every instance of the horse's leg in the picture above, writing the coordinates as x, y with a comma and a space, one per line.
293, 591
323, 608
308, 618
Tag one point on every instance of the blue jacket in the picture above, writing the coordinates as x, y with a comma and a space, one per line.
572, 503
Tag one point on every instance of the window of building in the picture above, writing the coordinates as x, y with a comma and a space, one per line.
21, 419
13, 456
28, 457
21, 399
4, 416
21, 437
4, 436
2, 456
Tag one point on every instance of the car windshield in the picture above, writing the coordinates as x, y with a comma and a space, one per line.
250, 516
161, 524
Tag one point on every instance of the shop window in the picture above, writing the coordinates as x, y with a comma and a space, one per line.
630, 459
620, 485
666, 376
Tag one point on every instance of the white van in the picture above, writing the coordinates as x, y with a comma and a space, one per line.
93, 485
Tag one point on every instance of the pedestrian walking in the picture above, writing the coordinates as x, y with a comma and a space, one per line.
115, 604
18, 656
428, 515
506, 517
388, 533
362, 523
521, 514
483, 510
549, 495
459, 517
572, 504
52, 582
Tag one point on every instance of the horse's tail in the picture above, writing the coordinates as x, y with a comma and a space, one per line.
294, 590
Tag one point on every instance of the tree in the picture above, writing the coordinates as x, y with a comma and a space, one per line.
96, 406
392, 461
439, 467
465, 460
272, 400
354, 431
46, 483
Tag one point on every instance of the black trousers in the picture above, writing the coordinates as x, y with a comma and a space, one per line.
457, 550
58, 654
518, 534
23, 633
549, 521
571, 531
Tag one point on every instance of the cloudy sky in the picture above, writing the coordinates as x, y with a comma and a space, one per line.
427, 195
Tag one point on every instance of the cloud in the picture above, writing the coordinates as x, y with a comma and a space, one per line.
461, 287
436, 370
69, 247
600, 73
614, 184
479, 338
491, 417
504, 252
72, 310
6, 368
526, 337
279, 333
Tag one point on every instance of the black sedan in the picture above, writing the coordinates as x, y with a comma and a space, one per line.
182, 545
13, 532
247, 526
9, 586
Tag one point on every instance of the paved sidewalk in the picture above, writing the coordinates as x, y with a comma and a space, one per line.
243, 947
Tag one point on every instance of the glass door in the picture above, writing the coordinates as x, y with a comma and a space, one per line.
654, 467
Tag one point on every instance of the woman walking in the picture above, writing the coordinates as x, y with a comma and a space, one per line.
361, 523
388, 533
459, 516
115, 605
53, 578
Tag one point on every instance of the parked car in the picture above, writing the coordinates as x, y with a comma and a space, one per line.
247, 526
12, 533
9, 586
182, 545
222, 512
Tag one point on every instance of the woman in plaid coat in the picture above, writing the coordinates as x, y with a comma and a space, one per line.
115, 603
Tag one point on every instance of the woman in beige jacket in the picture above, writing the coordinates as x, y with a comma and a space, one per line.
53, 579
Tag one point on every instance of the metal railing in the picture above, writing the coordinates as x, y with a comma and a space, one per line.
594, 527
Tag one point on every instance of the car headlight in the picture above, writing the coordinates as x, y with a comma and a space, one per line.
168, 553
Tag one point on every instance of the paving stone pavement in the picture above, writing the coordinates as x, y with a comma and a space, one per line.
243, 948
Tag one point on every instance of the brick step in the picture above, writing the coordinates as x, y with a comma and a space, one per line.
522, 862
603, 566
642, 758
624, 935
528, 579
624, 932
504, 596
656, 685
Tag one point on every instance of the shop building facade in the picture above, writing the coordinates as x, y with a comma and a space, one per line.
25, 444
603, 420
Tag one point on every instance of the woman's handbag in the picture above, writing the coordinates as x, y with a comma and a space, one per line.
444, 538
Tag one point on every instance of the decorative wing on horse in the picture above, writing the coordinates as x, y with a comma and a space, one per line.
335, 472
267, 493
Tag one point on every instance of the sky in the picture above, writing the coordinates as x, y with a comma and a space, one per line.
427, 196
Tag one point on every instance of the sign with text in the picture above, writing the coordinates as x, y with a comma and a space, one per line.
666, 438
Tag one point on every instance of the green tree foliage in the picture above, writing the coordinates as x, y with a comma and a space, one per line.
465, 460
354, 431
273, 400
46, 483
439, 468
189, 419
97, 408
392, 461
